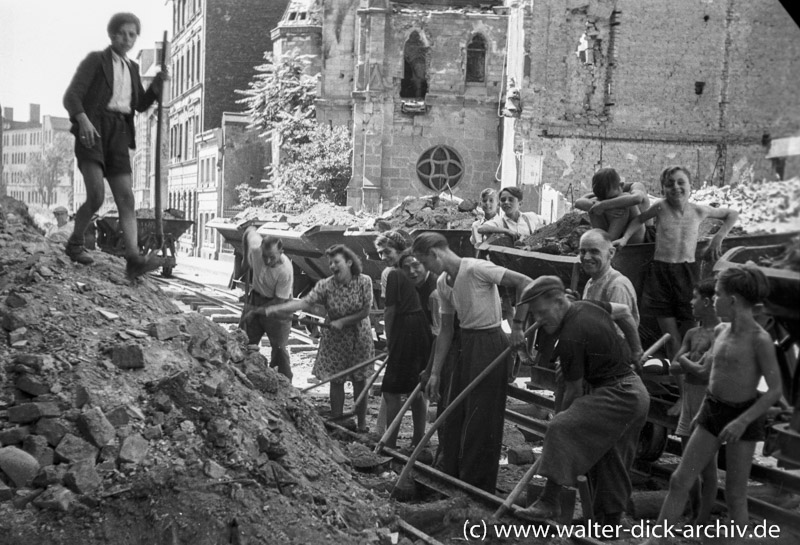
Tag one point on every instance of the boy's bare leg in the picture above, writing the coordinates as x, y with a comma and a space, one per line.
95, 194
419, 414
361, 409
123, 195
393, 404
699, 452
739, 458
708, 491
668, 324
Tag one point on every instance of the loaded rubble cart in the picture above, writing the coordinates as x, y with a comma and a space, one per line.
109, 237
632, 261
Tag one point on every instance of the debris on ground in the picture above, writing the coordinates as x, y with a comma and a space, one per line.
123, 420
150, 213
774, 204
431, 212
561, 237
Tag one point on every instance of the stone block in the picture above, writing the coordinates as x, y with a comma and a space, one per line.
55, 498
83, 396
24, 413
134, 449
32, 385
213, 469
52, 429
118, 416
82, 477
74, 449
37, 446
18, 300
95, 427
14, 436
521, 455
164, 330
153, 432
128, 356
18, 465
109, 452
48, 475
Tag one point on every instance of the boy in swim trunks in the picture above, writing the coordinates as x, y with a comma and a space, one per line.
733, 411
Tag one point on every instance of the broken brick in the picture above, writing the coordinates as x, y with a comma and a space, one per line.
75, 449
94, 426
55, 498
14, 436
52, 429
128, 356
82, 477
118, 416
134, 449
32, 385
37, 446
47, 475
164, 330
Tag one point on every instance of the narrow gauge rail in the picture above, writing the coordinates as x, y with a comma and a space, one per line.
224, 307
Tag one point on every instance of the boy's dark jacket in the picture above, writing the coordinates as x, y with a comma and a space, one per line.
92, 86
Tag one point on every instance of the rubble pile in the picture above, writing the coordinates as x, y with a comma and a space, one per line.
168, 214
561, 237
123, 420
432, 212
766, 205
330, 214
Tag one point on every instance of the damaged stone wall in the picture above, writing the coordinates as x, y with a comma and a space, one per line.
388, 142
641, 84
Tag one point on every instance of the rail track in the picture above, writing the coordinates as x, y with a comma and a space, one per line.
223, 307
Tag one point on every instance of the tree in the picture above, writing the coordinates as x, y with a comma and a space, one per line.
46, 170
314, 160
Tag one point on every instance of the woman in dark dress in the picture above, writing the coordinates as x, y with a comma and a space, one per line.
408, 337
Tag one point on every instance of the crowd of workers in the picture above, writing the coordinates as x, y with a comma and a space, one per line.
445, 315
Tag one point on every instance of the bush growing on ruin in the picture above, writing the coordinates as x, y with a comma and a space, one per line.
314, 159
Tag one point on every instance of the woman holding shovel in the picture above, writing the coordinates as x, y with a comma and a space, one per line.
347, 298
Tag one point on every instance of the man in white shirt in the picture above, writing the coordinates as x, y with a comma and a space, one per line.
272, 283
606, 283
473, 434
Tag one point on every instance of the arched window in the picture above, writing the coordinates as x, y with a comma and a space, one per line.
476, 60
415, 68
440, 167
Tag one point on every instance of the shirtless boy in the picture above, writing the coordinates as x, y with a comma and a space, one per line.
612, 205
733, 411
694, 360
670, 277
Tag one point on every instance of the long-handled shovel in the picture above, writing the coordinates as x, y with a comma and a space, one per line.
159, 242
402, 486
397, 419
512, 497
346, 372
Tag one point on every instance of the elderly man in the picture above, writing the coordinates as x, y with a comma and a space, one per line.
272, 282
606, 283
605, 403
472, 436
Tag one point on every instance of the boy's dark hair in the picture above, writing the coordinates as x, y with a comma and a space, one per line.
270, 241
603, 181
348, 254
119, 19
513, 191
705, 288
746, 280
669, 171
404, 256
425, 242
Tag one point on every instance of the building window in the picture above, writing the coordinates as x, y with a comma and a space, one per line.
440, 168
415, 68
476, 60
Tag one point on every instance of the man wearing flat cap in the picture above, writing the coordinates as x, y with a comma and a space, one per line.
604, 406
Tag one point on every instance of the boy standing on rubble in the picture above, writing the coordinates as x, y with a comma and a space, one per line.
669, 279
101, 100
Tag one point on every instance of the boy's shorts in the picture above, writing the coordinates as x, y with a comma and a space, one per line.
667, 290
111, 149
715, 414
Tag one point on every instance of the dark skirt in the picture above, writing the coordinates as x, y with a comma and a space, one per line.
409, 349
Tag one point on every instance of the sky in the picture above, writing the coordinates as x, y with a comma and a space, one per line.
43, 41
